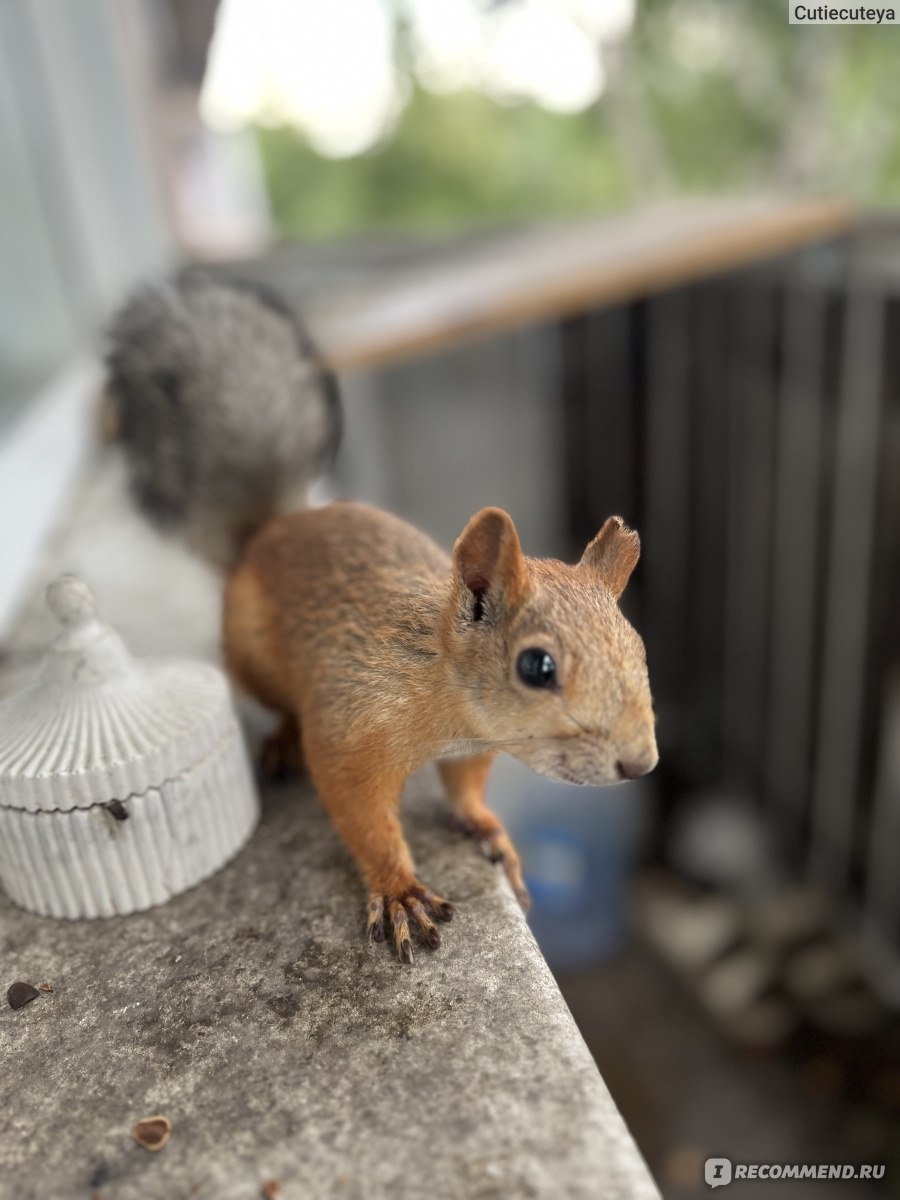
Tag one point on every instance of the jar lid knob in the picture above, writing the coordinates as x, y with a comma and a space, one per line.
72, 602
85, 649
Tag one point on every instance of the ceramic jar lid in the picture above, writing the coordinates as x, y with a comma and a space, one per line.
98, 724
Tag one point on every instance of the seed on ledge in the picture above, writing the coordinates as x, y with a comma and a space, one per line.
21, 994
152, 1132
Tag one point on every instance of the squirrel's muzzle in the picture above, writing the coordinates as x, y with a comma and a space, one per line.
635, 767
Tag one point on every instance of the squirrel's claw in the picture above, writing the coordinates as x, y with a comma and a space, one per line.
399, 920
513, 868
441, 910
521, 892
430, 935
419, 907
496, 846
375, 921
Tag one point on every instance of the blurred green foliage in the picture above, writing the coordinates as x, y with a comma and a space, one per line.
452, 160
703, 96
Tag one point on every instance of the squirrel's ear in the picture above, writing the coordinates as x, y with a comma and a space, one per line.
488, 557
613, 554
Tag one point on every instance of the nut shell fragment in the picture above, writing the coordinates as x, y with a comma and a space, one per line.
20, 994
152, 1132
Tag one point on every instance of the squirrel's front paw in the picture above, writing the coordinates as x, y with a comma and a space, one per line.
392, 914
496, 845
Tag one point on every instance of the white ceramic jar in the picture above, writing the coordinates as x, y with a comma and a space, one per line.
122, 781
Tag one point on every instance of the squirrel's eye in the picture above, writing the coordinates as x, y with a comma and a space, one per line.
536, 668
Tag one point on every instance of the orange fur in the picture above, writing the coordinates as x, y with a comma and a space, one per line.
383, 653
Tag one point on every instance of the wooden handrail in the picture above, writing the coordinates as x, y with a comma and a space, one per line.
547, 273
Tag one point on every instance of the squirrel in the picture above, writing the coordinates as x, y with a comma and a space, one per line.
378, 650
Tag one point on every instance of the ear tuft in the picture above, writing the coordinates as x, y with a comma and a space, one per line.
488, 557
613, 554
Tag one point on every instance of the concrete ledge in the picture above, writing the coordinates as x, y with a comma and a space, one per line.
252, 1014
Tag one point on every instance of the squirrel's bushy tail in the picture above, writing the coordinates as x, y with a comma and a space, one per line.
224, 410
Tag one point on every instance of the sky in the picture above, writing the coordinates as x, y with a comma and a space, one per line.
326, 66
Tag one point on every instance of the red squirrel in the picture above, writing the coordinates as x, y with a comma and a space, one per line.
378, 650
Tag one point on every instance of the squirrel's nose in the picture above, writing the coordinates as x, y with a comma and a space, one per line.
634, 768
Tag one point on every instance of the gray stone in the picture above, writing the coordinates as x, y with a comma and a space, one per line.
251, 1012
